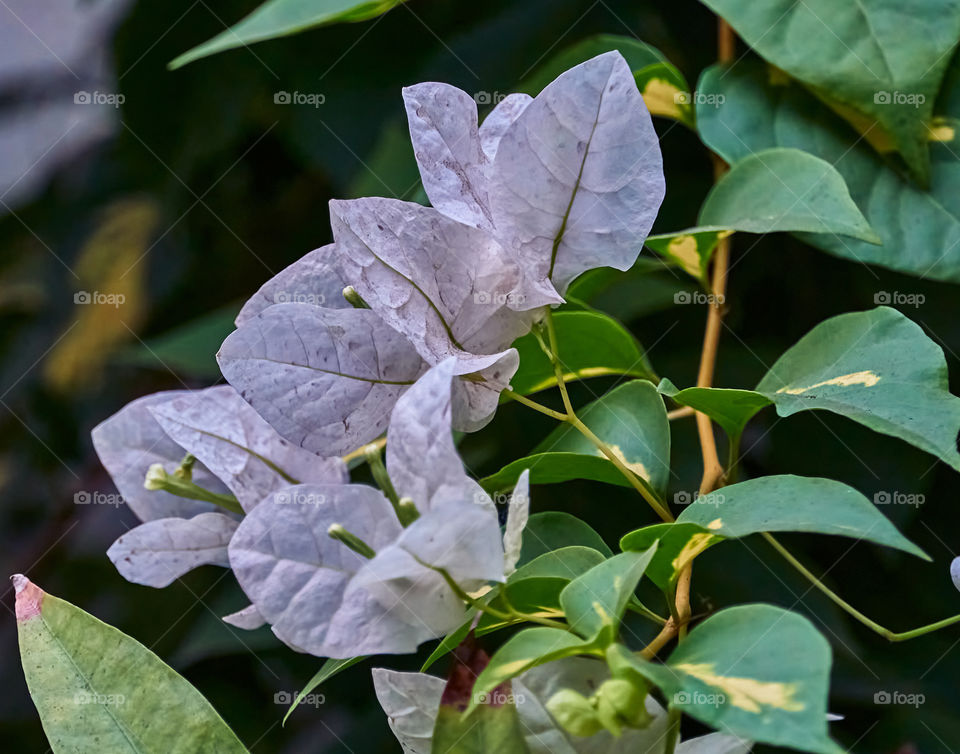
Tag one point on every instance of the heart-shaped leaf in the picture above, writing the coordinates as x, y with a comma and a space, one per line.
784, 190
875, 367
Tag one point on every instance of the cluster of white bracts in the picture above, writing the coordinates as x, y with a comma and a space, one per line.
546, 188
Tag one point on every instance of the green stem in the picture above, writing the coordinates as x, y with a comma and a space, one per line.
379, 472
510, 617
351, 540
733, 459
555, 360
850, 609
673, 730
535, 406
158, 479
636, 482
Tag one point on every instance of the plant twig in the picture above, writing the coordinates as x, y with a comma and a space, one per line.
850, 609
713, 470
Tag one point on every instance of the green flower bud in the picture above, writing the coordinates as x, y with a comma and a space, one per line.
626, 701
574, 713
607, 714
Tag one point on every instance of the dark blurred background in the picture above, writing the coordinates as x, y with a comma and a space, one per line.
195, 189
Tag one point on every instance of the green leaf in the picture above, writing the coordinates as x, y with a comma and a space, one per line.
327, 671
677, 544
525, 650
795, 503
490, 725
875, 56
595, 602
784, 189
731, 409
630, 419
535, 588
564, 562
920, 229
591, 344
756, 671
552, 530
875, 367
665, 91
97, 689
690, 249
533, 596
281, 18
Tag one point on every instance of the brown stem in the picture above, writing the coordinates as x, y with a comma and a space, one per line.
713, 470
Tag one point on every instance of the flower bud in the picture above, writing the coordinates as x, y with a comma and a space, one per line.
156, 478
354, 299
574, 713
955, 572
351, 540
626, 702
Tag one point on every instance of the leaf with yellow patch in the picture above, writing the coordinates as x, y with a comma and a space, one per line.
794, 503
631, 419
678, 545
594, 603
690, 249
875, 367
665, 92
754, 671
746, 693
